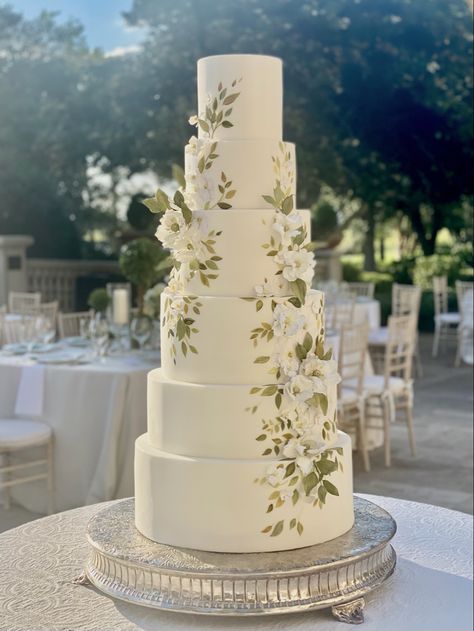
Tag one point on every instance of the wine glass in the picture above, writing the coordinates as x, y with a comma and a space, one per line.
99, 333
141, 328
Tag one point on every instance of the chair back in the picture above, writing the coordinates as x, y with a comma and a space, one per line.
440, 294
361, 289
340, 313
19, 330
406, 300
464, 295
49, 310
23, 302
400, 347
70, 323
352, 354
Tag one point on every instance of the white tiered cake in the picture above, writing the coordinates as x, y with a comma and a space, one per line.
242, 452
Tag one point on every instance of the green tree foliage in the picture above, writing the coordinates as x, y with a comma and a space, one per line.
377, 98
139, 262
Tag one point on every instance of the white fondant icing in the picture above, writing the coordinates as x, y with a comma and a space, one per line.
215, 504
210, 420
257, 112
245, 167
245, 262
225, 353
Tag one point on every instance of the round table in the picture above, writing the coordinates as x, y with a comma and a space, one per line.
431, 589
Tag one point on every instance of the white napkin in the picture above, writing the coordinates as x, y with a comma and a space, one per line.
30, 394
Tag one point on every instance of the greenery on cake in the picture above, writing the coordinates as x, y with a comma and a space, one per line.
202, 189
301, 431
301, 478
288, 244
179, 319
218, 110
191, 243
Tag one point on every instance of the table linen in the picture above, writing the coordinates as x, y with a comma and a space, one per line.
431, 589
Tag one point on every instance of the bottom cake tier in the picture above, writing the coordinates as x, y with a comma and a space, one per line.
242, 505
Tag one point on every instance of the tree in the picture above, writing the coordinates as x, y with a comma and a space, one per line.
378, 98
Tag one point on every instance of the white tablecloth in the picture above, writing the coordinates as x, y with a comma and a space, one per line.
431, 589
96, 412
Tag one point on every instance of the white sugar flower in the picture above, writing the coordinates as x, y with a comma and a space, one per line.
297, 264
275, 475
175, 283
287, 227
287, 321
298, 389
323, 373
303, 450
287, 361
193, 120
188, 245
170, 229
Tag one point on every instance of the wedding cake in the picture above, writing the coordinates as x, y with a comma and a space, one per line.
242, 452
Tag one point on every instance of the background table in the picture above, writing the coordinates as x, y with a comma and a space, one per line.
96, 412
431, 589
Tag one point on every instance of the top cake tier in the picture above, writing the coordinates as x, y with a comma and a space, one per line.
240, 97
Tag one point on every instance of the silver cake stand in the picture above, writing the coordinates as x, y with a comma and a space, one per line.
337, 574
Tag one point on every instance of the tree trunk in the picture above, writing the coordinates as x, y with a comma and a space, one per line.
382, 248
369, 244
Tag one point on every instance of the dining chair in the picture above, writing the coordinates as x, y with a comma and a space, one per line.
351, 398
362, 289
340, 312
465, 297
406, 300
70, 323
446, 323
23, 302
392, 391
20, 435
19, 330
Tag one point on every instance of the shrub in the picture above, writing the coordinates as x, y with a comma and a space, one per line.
138, 262
351, 272
98, 299
437, 265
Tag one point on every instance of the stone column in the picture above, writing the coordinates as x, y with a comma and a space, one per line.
13, 275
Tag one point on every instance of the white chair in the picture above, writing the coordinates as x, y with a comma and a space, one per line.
23, 302
393, 391
340, 313
23, 434
361, 289
465, 297
20, 330
70, 323
406, 300
446, 323
351, 400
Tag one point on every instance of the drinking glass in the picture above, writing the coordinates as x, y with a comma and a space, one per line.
141, 328
99, 334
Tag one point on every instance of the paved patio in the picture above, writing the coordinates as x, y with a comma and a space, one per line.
442, 472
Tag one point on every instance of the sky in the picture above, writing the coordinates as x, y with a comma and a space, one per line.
102, 20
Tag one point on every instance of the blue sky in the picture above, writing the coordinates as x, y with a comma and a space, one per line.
102, 20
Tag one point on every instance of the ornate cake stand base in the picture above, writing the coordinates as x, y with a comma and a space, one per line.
336, 574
